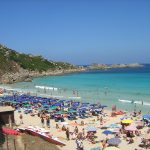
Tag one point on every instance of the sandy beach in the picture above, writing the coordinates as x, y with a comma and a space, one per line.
71, 144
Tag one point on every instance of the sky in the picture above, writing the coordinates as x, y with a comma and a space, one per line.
78, 31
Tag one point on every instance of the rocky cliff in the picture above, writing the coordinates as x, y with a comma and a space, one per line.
16, 67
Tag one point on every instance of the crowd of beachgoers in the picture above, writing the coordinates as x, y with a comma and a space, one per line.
82, 126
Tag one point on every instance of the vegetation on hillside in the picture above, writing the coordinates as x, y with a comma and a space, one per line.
11, 60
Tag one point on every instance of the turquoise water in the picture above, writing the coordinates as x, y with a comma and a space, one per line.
105, 87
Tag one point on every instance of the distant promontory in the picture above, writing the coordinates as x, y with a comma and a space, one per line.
111, 66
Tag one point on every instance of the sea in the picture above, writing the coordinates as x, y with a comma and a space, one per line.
127, 88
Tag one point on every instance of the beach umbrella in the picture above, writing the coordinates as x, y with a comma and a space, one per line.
46, 106
131, 128
26, 105
93, 105
114, 141
57, 104
91, 128
115, 126
127, 121
107, 132
112, 148
58, 113
72, 111
147, 116
53, 107
25, 102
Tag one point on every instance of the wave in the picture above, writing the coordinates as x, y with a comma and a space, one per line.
135, 102
53, 96
124, 101
46, 88
146, 103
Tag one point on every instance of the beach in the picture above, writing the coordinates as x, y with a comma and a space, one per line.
35, 121
75, 75
29, 120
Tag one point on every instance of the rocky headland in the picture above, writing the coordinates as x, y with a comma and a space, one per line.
111, 66
17, 67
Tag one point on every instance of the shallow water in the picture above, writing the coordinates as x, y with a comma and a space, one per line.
105, 87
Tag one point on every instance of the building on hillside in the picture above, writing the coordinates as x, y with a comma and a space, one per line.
7, 115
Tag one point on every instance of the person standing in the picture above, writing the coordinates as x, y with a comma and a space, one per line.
42, 121
83, 132
103, 144
21, 119
101, 120
76, 130
48, 122
67, 134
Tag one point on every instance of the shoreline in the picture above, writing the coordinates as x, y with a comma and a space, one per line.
27, 76
68, 95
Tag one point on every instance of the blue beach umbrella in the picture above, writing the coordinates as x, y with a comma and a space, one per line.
107, 132
114, 141
46, 106
91, 129
57, 104
146, 116
53, 107
72, 111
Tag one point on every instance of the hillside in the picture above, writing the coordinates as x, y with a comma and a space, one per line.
16, 66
